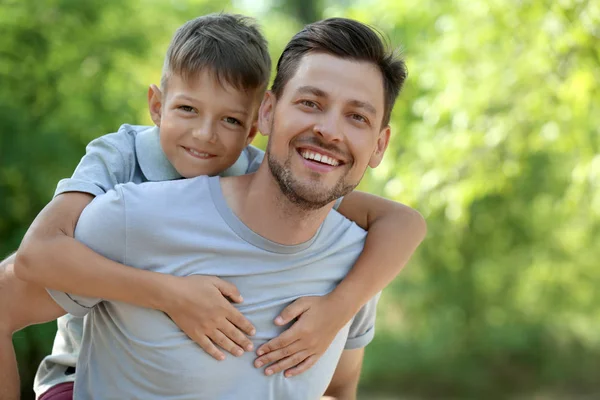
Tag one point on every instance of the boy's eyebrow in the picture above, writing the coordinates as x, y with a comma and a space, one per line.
185, 97
320, 93
193, 100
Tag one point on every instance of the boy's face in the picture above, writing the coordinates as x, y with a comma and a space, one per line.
325, 129
204, 125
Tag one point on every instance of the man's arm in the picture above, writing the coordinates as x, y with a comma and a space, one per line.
394, 233
22, 304
344, 384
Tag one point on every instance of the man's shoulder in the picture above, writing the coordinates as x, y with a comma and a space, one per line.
340, 232
176, 190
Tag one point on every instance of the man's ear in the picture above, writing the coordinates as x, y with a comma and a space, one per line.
382, 143
155, 104
253, 132
265, 113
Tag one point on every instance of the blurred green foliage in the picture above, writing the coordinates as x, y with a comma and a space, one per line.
496, 140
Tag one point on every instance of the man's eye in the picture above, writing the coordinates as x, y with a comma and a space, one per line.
186, 108
359, 118
309, 103
233, 121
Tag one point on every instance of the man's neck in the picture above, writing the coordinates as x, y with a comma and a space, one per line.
257, 201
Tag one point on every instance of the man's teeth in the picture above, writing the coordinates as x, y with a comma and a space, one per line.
197, 153
311, 155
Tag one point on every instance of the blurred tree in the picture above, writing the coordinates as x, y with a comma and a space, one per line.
305, 11
497, 143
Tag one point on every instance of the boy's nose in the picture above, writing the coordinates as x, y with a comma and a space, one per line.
205, 133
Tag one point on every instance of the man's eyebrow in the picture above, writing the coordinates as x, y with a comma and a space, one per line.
311, 90
320, 93
364, 105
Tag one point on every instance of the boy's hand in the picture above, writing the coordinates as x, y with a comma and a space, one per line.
199, 308
299, 348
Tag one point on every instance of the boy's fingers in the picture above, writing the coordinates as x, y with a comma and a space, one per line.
286, 363
277, 355
228, 290
210, 348
225, 343
233, 333
300, 368
286, 338
237, 318
292, 311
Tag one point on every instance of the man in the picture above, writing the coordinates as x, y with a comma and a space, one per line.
327, 117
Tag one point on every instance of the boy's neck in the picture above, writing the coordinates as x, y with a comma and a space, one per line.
257, 201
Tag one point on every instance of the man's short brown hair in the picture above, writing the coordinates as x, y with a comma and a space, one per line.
231, 46
349, 39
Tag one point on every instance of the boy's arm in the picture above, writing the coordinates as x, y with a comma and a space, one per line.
23, 304
394, 232
51, 257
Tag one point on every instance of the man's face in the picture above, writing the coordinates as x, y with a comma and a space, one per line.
203, 125
325, 129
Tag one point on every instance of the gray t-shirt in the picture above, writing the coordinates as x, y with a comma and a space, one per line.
183, 228
132, 154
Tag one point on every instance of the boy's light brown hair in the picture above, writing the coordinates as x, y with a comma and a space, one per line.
231, 46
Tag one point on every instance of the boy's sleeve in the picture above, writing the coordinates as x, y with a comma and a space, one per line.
101, 227
362, 328
108, 161
255, 157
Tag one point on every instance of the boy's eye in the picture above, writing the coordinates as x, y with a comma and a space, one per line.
233, 121
186, 108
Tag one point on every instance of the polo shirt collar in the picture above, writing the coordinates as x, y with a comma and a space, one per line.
152, 160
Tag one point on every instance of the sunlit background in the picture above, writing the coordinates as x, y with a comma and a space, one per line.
496, 141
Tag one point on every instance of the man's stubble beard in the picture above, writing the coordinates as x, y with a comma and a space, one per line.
305, 198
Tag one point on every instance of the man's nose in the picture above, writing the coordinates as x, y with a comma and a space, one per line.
329, 128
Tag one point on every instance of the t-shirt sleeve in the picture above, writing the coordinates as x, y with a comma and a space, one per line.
101, 227
362, 327
108, 161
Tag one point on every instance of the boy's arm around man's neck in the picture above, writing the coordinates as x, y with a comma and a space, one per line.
50, 257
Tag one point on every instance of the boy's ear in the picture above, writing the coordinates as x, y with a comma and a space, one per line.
252, 134
155, 104
382, 143
265, 113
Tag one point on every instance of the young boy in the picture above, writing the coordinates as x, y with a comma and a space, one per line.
215, 74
